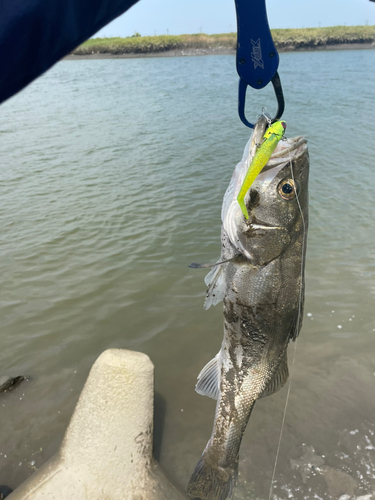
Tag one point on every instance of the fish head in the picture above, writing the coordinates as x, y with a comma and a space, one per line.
276, 203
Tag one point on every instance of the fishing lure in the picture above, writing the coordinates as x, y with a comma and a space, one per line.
272, 136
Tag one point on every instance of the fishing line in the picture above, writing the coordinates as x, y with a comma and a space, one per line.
295, 342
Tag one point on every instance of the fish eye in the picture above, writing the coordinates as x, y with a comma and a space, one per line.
287, 189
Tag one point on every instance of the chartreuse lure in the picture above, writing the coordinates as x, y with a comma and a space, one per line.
272, 136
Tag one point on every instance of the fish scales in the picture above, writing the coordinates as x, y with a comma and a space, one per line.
262, 289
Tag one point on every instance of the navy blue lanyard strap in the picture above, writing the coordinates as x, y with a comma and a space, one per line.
257, 58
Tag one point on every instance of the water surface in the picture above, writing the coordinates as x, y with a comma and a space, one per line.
111, 178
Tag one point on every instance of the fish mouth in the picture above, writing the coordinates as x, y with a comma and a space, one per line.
263, 226
259, 224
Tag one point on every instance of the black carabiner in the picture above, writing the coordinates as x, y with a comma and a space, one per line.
242, 87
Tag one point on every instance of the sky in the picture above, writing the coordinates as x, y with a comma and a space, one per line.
175, 17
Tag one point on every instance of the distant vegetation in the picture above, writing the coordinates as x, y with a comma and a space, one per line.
151, 44
315, 37
285, 39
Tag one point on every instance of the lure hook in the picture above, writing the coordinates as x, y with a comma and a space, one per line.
279, 97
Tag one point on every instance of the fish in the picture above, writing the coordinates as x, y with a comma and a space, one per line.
274, 133
259, 277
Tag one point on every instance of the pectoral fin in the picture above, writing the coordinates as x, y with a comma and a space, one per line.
278, 380
215, 281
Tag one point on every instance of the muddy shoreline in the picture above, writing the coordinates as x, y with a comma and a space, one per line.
215, 51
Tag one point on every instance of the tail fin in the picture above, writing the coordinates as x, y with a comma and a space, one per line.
211, 482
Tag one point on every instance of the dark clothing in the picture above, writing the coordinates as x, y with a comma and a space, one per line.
35, 34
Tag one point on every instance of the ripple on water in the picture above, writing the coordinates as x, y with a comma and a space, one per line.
112, 178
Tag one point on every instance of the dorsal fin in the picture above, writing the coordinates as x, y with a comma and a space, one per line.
279, 378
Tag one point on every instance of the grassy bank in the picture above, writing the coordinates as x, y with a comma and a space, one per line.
150, 44
285, 39
315, 37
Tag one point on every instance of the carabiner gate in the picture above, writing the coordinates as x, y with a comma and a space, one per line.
242, 87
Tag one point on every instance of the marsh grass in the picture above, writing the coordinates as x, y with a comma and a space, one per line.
285, 39
150, 44
314, 37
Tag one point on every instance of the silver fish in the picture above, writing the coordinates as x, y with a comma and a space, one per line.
261, 285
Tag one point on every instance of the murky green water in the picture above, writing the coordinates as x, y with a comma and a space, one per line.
112, 177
